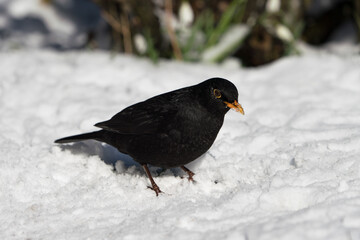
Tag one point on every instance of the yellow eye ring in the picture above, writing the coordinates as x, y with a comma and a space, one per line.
217, 93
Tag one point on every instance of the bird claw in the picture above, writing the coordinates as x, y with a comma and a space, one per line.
156, 189
189, 178
189, 173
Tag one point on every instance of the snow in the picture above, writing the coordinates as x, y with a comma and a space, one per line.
20, 9
62, 24
288, 169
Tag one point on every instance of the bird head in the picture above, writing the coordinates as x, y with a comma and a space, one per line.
220, 95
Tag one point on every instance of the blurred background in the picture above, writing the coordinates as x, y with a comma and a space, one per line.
255, 32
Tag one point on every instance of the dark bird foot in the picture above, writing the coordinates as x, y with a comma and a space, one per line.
190, 173
156, 189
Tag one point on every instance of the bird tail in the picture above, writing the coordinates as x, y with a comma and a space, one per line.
81, 137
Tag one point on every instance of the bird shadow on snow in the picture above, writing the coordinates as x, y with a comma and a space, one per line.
110, 155
107, 153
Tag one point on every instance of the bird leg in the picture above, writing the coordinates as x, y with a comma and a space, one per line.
190, 173
154, 187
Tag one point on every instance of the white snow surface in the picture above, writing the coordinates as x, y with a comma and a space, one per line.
288, 169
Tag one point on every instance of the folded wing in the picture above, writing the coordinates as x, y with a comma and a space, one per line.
142, 118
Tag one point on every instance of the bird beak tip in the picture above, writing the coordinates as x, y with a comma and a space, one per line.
236, 106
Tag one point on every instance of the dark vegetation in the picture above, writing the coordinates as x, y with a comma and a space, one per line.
189, 30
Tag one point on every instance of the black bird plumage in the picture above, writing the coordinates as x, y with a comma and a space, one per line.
171, 129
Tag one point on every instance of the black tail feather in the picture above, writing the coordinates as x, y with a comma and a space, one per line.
81, 137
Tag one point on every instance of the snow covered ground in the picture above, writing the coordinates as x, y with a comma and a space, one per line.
288, 169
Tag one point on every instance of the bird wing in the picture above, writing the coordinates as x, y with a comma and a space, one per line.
145, 117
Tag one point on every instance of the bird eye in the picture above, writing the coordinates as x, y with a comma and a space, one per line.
217, 93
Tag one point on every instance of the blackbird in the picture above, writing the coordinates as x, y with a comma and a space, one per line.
171, 129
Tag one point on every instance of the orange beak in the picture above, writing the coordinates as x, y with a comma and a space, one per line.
236, 106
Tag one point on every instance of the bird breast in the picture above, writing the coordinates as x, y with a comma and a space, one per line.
193, 132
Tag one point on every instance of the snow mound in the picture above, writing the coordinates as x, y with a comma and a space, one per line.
288, 169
